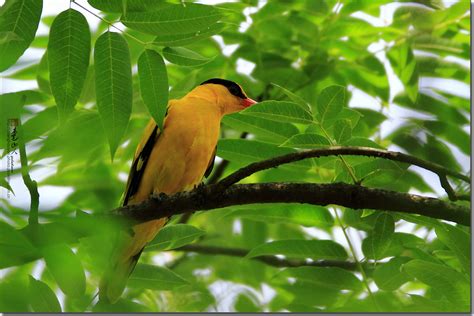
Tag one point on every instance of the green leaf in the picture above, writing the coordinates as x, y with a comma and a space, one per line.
120, 306
301, 214
441, 46
247, 303
330, 277
404, 63
330, 103
174, 236
295, 98
15, 249
244, 151
306, 141
444, 111
271, 131
153, 84
113, 79
281, 111
68, 59
437, 67
458, 241
42, 297
379, 242
388, 276
155, 278
173, 19
188, 38
42, 74
91, 134
184, 57
453, 284
119, 6
362, 142
66, 269
19, 21
342, 131
452, 133
314, 249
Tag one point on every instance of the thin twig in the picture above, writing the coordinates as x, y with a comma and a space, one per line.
270, 260
334, 151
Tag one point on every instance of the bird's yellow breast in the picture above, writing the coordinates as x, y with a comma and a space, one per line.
183, 150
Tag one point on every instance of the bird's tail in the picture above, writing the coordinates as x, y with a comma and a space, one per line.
124, 260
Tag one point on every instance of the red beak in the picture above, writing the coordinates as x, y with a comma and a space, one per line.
248, 102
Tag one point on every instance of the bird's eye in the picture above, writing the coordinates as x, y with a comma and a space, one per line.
234, 90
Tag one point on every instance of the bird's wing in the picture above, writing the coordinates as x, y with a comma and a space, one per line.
210, 166
142, 154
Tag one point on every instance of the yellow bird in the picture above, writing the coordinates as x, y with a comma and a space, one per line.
172, 161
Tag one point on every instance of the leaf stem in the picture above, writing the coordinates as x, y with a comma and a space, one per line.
111, 24
346, 165
356, 260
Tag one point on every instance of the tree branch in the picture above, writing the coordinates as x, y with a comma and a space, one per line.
270, 260
348, 195
29, 183
215, 176
441, 171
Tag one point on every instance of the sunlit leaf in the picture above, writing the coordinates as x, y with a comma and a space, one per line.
295, 98
119, 6
330, 102
19, 21
153, 84
174, 236
173, 19
15, 249
280, 111
330, 277
306, 215
247, 151
455, 286
404, 63
68, 53
377, 245
306, 141
66, 269
458, 241
184, 57
269, 130
388, 276
342, 131
42, 297
188, 38
155, 278
314, 249
113, 79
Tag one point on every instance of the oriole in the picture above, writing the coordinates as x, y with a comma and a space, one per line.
171, 161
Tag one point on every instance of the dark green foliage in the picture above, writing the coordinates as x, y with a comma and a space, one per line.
310, 62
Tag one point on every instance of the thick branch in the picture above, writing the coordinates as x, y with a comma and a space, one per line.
441, 171
348, 195
270, 260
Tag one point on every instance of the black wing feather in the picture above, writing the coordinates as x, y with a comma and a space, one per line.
136, 173
210, 166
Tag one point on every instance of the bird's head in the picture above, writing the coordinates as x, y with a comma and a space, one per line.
228, 95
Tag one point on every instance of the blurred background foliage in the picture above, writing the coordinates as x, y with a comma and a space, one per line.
383, 74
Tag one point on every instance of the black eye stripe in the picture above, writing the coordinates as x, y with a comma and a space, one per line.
233, 88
